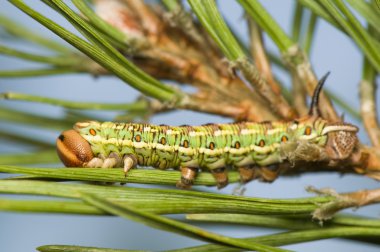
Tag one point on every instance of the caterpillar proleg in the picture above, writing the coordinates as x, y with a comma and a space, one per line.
249, 147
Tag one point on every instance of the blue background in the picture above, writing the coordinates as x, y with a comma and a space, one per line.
332, 51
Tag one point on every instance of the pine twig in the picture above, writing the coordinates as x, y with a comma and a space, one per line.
355, 199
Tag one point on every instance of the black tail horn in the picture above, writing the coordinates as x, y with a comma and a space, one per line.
314, 106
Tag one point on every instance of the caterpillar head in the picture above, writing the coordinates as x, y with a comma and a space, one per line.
73, 149
341, 137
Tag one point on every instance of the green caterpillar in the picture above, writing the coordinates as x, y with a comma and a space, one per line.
247, 146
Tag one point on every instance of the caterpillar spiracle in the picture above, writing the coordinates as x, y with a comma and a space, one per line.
249, 147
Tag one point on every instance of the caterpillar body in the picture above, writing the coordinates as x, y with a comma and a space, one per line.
246, 146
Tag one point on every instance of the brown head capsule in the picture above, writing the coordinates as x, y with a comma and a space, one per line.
73, 149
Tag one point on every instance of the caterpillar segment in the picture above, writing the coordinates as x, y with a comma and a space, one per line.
256, 150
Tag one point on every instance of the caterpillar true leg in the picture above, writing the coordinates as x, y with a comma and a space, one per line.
95, 163
187, 177
130, 161
113, 160
221, 177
